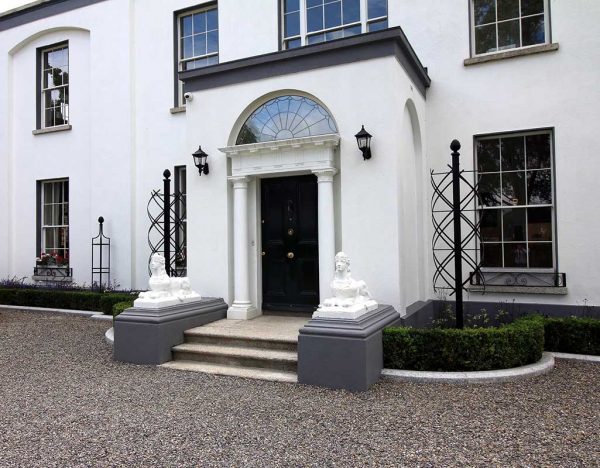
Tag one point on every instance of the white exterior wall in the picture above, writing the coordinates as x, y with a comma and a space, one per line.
123, 137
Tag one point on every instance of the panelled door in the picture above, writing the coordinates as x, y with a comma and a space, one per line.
290, 248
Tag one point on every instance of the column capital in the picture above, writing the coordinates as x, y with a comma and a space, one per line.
239, 182
325, 175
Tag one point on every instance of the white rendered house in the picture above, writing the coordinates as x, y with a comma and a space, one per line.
93, 110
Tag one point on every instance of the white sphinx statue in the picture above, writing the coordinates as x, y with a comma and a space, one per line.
164, 290
351, 298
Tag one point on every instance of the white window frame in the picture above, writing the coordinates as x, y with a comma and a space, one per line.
42, 247
547, 30
552, 206
180, 61
42, 72
304, 34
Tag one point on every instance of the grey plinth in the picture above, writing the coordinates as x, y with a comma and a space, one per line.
146, 336
344, 354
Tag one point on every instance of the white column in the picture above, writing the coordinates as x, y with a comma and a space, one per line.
241, 308
326, 230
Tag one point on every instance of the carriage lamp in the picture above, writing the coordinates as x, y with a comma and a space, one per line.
363, 138
200, 161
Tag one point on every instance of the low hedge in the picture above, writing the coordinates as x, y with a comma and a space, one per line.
469, 349
121, 306
77, 300
572, 335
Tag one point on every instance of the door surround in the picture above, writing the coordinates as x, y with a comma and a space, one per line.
296, 156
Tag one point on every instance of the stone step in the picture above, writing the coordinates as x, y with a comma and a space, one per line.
237, 356
244, 372
210, 337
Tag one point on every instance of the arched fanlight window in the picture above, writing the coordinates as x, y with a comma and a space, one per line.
286, 117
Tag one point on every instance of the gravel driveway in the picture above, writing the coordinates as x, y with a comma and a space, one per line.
64, 402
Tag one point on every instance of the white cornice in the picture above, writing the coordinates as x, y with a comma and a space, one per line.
330, 140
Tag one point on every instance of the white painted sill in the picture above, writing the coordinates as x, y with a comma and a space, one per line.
551, 290
177, 110
538, 49
58, 128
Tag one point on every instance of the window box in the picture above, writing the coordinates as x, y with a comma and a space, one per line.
53, 273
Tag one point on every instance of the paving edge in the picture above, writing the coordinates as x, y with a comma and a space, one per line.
109, 336
577, 357
85, 313
543, 366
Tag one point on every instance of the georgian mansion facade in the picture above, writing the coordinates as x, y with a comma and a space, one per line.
99, 97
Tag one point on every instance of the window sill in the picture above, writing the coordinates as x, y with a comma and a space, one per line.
551, 290
538, 49
58, 128
177, 110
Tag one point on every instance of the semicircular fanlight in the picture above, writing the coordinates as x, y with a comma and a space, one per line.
286, 117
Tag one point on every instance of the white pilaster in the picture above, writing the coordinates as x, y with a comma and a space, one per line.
326, 230
242, 307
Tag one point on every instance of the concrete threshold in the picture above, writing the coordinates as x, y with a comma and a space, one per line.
543, 366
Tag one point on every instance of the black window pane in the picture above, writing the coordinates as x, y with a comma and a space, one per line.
515, 255
539, 187
533, 30
333, 14
312, 3
378, 25
539, 224
314, 19
491, 255
186, 25
489, 189
294, 43
352, 31
513, 154
484, 11
316, 38
200, 44
212, 42
199, 23
508, 9
514, 225
292, 24
485, 39
508, 35
488, 155
291, 5
187, 47
212, 20
531, 7
540, 255
538, 151
351, 11
513, 188
491, 230
377, 8
337, 34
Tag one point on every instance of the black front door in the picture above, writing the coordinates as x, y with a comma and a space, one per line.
290, 248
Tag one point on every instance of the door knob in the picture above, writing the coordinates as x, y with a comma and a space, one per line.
263, 253
290, 255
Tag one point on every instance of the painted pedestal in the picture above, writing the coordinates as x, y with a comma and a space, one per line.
344, 353
146, 335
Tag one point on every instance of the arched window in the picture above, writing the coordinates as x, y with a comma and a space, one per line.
286, 117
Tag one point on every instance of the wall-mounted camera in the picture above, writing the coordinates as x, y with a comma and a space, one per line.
188, 97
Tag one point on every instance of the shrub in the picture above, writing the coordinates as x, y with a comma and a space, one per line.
121, 306
61, 299
572, 335
469, 349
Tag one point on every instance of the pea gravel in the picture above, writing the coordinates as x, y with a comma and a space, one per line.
64, 402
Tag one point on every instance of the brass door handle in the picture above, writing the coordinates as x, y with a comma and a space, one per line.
290, 255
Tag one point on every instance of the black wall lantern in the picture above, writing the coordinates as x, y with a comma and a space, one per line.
200, 161
363, 138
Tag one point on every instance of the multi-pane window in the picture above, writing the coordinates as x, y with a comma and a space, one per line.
515, 174
197, 39
54, 214
180, 220
507, 24
313, 21
55, 86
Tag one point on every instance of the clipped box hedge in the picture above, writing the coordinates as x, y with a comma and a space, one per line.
572, 335
57, 299
121, 306
469, 349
